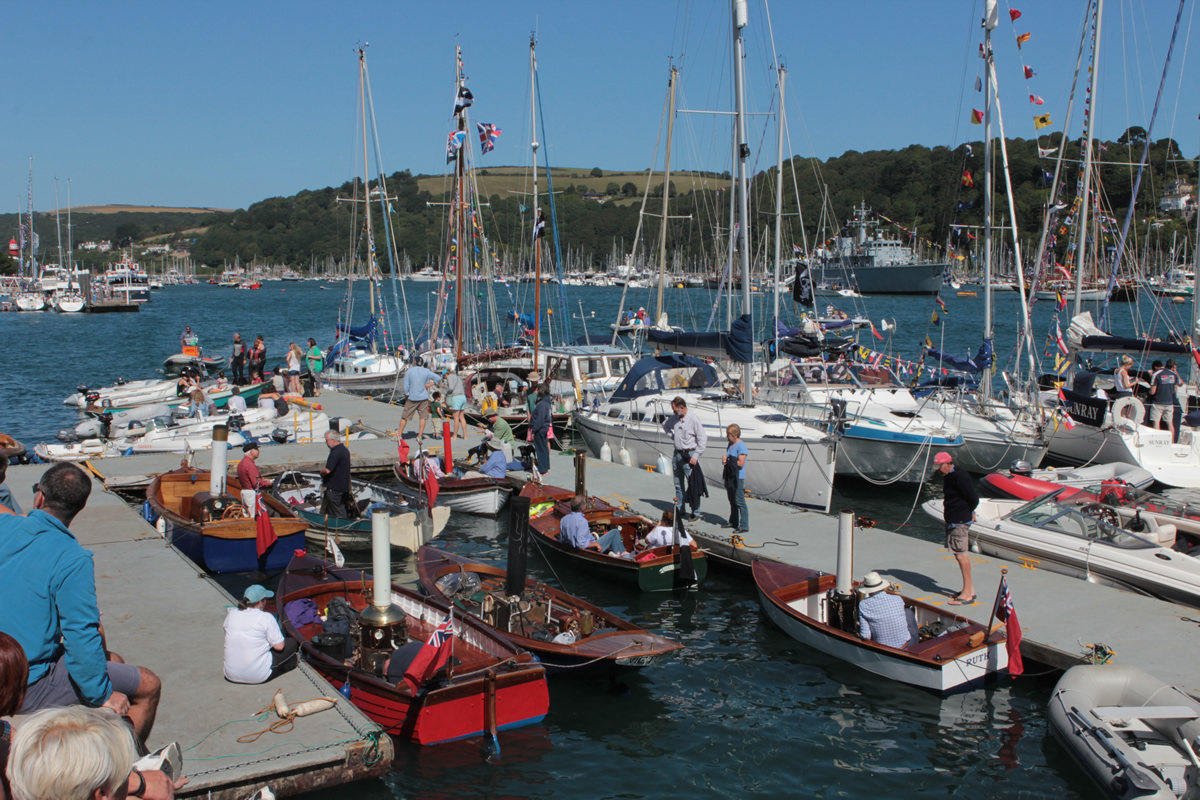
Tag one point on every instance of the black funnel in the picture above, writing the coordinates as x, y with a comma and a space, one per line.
518, 544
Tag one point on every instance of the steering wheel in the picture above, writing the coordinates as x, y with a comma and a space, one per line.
1103, 513
235, 512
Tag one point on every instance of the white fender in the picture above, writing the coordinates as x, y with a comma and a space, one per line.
313, 706
281, 705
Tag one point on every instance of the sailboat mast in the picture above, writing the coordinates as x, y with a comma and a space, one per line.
985, 382
362, 100
778, 212
740, 20
537, 216
458, 198
662, 238
1081, 241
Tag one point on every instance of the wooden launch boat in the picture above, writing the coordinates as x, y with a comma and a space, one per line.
408, 528
488, 684
570, 636
482, 496
1133, 734
215, 531
961, 656
658, 569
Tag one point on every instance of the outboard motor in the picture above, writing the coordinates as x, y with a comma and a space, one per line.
106, 419
91, 397
1023, 468
121, 381
235, 422
837, 414
279, 436
67, 436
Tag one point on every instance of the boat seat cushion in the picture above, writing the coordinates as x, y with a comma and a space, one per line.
1166, 534
1145, 712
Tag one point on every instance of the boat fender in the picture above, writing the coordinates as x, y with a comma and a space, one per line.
315, 706
664, 465
623, 454
281, 705
606, 453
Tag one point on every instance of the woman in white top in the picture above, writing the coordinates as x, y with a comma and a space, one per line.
294, 356
255, 648
1122, 382
663, 535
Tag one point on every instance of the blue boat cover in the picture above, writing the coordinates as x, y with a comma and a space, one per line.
363, 333
736, 345
1121, 344
523, 320
981, 361
645, 376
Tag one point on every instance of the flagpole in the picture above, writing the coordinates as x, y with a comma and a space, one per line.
988, 632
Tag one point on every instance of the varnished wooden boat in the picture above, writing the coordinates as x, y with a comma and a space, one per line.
216, 532
798, 601
489, 677
603, 644
663, 571
480, 496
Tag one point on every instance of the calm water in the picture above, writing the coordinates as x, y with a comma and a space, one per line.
744, 710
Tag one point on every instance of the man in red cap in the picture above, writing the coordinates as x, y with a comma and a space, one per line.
958, 512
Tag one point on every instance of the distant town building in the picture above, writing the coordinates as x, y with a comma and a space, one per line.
103, 246
1177, 196
158, 248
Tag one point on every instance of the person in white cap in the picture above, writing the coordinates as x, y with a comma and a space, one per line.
256, 650
958, 512
881, 616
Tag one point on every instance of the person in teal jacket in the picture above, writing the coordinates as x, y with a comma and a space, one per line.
49, 601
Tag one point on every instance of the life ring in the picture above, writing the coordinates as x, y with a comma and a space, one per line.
1121, 419
678, 382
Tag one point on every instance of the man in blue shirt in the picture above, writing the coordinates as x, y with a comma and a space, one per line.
417, 383
495, 467
881, 616
49, 602
1162, 389
574, 530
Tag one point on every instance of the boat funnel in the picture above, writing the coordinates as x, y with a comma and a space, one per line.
518, 545
383, 627
581, 472
845, 554
216, 475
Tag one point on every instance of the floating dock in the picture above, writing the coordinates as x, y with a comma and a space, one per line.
161, 611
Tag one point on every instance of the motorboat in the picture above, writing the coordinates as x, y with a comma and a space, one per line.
175, 363
408, 528
1023, 483
1134, 736
1084, 538
299, 428
479, 495
790, 460
657, 569
152, 390
570, 636
487, 685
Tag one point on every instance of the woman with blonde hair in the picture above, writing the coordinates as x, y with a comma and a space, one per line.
294, 356
734, 463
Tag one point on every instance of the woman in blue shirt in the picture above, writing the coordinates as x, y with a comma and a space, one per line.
734, 462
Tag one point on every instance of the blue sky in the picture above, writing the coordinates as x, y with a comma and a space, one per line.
223, 104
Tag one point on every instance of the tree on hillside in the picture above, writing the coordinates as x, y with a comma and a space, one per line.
8, 266
629, 189
126, 234
597, 172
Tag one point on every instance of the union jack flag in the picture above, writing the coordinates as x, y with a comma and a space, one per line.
487, 136
1006, 612
433, 656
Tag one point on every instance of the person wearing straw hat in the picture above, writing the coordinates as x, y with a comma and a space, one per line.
958, 513
881, 616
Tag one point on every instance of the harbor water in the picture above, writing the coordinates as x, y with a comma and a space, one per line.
743, 709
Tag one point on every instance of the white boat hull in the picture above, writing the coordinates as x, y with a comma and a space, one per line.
969, 670
1175, 465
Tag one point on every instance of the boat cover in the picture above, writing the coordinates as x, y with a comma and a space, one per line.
981, 361
645, 376
736, 345
1084, 335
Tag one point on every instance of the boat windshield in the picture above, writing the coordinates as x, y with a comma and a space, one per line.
1053, 516
1129, 497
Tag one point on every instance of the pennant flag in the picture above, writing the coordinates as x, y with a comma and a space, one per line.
1046, 152
539, 230
487, 136
928, 342
935, 320
942, 303
1013, 15
976, 116
967, 180
463, 99
1061, 363
803, 292
1060, 302
1066, 273
1037, 101
1022, 39
1060, 205
434, 655
264, 532
796, 249
454, 140
1029, 73
1047, 177
1041, 121
878, 335
1068, 423
1060, 343
1006, 612
331, 547
978, 84
970, 150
